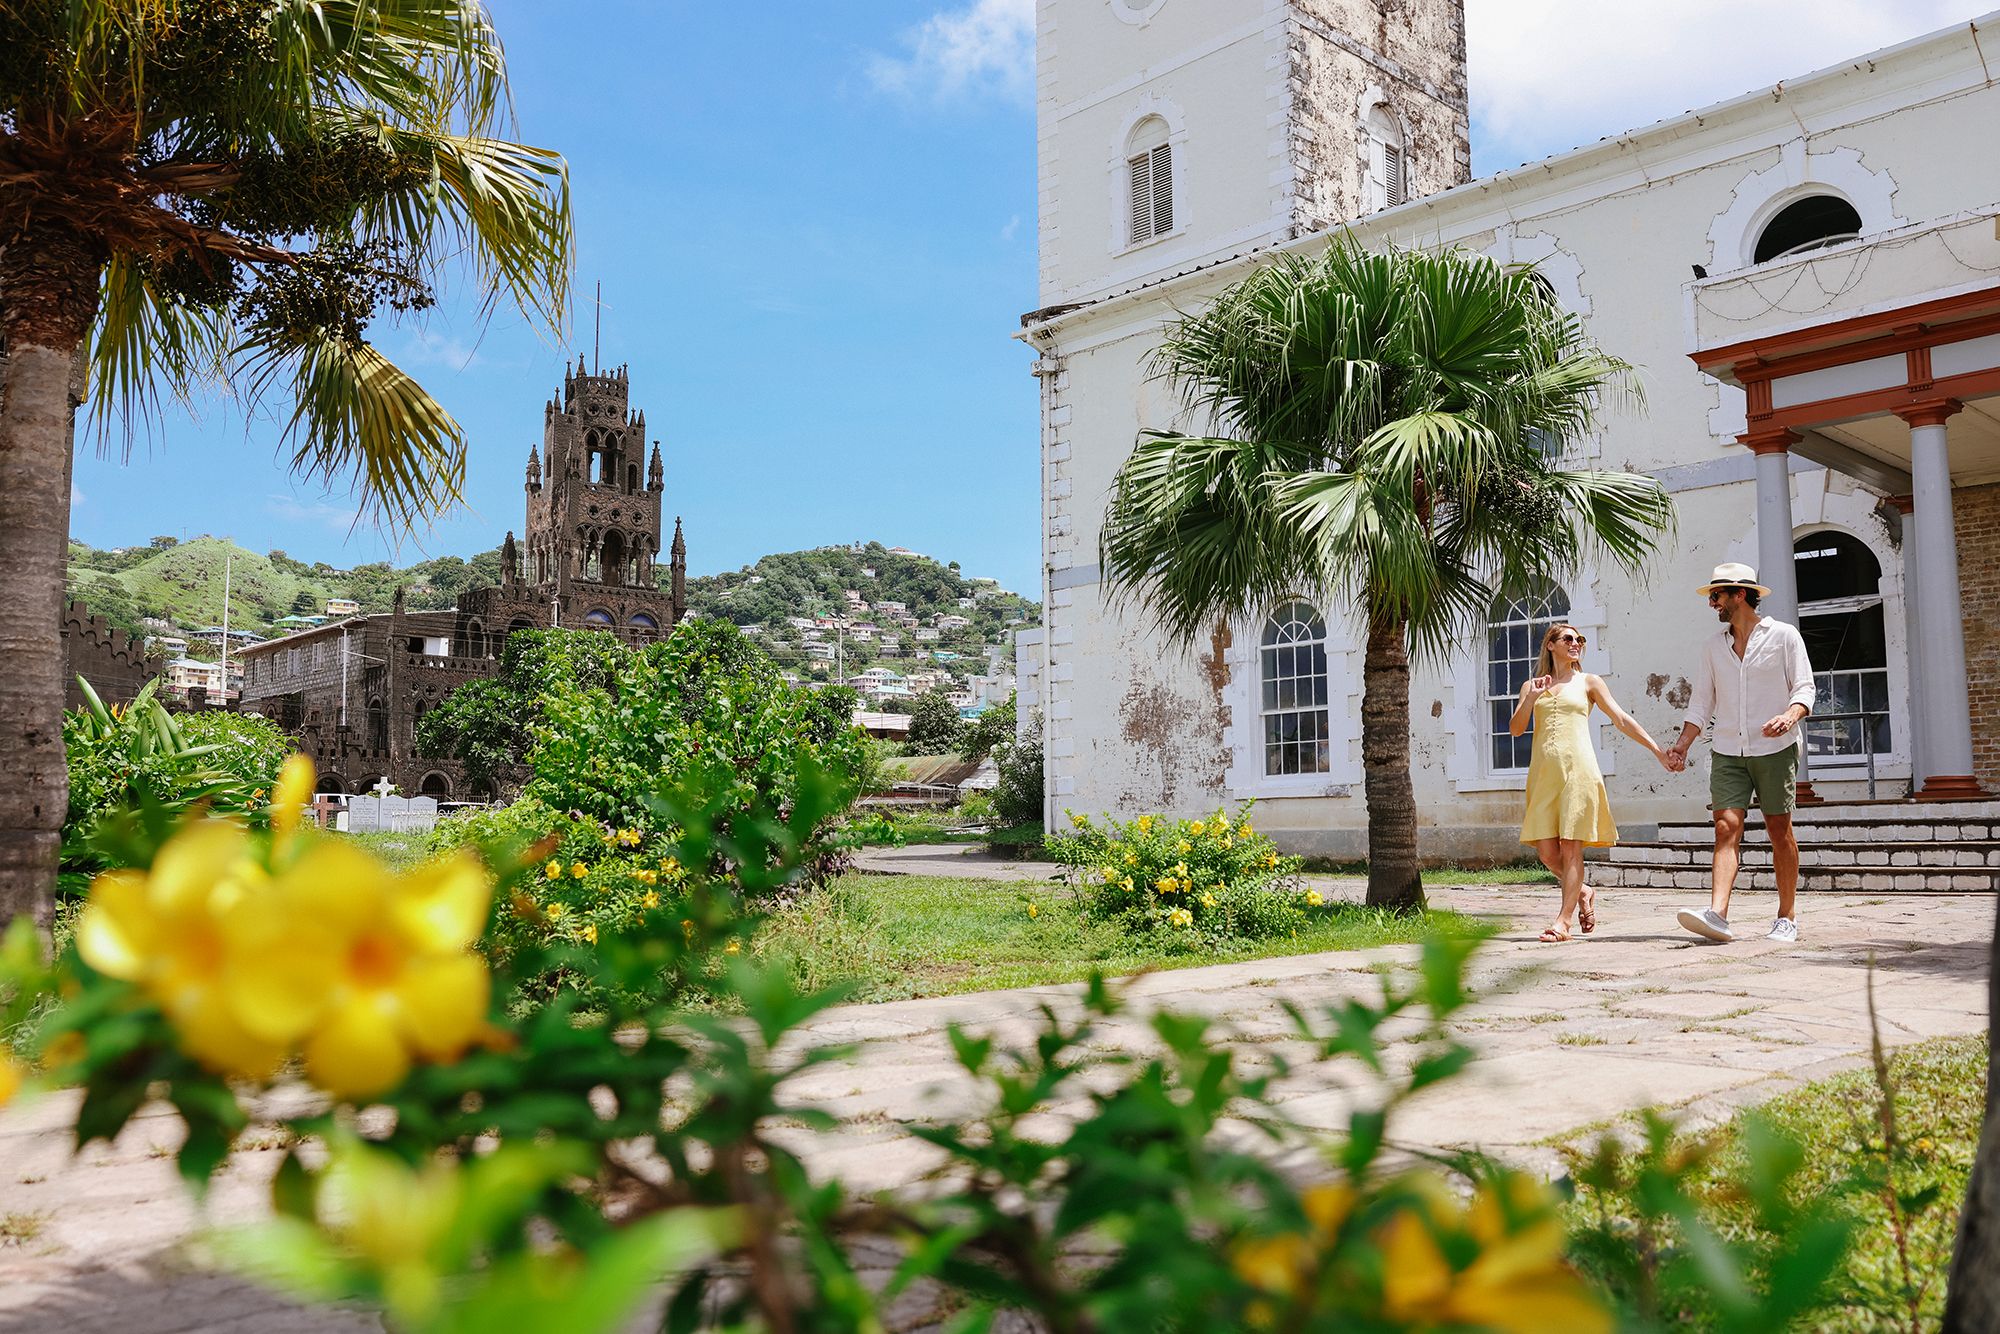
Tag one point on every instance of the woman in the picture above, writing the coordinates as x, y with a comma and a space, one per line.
1567, 808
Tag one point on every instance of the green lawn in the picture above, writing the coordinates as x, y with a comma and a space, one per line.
904, 936
1514, 873
1940, 1100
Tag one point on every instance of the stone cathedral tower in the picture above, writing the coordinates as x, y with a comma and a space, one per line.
1173, 134
594, 514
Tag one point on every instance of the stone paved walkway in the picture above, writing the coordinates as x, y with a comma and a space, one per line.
1569, 1036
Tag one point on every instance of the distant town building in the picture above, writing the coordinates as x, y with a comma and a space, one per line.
342, 607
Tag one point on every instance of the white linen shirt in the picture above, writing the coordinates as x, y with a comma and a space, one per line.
1740, 695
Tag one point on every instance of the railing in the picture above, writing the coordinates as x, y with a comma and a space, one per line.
1867, 721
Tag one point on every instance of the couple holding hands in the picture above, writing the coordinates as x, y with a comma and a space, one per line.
1753, 683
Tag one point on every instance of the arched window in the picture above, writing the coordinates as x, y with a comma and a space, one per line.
1292, 674
1840, 617
598, 619
1388, 166
1149, 177
641, 621
435, 784
1806, 224
1514, 630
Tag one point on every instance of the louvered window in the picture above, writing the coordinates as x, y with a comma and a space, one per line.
1392, 174
1152, 178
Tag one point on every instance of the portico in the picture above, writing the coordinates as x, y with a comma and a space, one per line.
1894, 380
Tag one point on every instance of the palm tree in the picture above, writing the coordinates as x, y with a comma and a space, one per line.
200, 194
1385, 427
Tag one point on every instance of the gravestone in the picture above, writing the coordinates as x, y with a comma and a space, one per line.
385, 815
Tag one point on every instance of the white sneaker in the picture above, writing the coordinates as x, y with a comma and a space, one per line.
1784, 929
1707, 923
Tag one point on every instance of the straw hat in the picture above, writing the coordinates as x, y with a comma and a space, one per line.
1731, 575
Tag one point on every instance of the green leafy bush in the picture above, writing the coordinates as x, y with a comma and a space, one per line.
1018, 798
1206, 881
141, 758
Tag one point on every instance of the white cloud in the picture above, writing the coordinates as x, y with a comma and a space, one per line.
76, 496
323, 513
1547, 75
427, 347
1012, 229
987, 46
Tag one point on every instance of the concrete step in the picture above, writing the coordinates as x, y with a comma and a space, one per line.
1933, 828
1827, 879
1932, 856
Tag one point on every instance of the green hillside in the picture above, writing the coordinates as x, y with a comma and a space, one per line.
814, 583
183, 581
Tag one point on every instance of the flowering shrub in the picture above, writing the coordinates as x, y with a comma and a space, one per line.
1203, 881
547, 1167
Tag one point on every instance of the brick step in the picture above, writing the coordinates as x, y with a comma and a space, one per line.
1889, 807
1899, 829
1823, 879
1960, 855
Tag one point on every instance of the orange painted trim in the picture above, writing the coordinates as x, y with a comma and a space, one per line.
1933, 413
1878, 334
1950, 787
1779, 441
1904, 504
1877, 402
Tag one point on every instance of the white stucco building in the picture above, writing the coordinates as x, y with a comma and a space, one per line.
1807, 278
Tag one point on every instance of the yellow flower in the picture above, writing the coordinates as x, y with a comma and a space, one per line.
1131, 857
1243, 830
1208, 900
1228, 842
590, 933
557, 911
1198, 828
733, 947
359, 968
10, 1079
578, 870
1270, 859
1077, 821
1128, 884
1313, 899
1165, 884
293, 794
553, 871
1515, 1281
651, 899
1180, 917
1180, 868
1145, 823
1184, 847
1033, 911
670, 865
630, 838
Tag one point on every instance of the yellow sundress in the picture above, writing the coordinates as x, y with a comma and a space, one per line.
1566, 797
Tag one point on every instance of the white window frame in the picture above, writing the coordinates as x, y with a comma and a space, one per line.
1245, 778
1136, 138
1487, 696
1301, 614
1469, 751
1145, 173
1385, 179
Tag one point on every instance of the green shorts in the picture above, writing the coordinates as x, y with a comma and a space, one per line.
1773, 780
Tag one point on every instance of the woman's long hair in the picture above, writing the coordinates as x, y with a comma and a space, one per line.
1546, 664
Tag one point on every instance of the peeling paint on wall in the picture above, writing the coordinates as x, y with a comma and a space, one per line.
1656, 684
1682, 692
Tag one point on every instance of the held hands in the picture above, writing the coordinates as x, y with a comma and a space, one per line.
1672, 760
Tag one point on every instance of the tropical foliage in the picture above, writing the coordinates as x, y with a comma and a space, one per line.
1204, 882
550, 1159
935, 727
1387, 431
140, 757
223, 196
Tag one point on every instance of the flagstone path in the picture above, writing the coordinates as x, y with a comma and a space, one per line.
1570, 1036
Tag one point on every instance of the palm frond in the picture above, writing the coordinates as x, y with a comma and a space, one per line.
357, 414
148, 347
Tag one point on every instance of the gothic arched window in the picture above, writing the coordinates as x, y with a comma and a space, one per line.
1514, 630
1291, 661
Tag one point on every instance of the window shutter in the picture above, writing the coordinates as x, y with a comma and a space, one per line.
1142, 198
1392, 173
1163, 190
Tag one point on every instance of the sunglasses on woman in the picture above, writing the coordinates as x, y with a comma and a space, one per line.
1577, 640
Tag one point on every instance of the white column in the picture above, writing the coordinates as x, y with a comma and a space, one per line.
1774, 526
1914, 635
1947, 724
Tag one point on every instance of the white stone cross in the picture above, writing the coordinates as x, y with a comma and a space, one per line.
383, 787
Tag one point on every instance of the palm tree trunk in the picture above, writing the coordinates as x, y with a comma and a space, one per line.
48, 299
1972, 1303
1393, 880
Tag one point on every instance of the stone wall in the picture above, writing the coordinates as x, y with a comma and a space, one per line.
1976, 512
112, 661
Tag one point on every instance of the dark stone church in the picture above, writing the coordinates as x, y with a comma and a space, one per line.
352, 690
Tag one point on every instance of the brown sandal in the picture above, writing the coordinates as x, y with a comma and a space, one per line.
1551, 936
1586, 913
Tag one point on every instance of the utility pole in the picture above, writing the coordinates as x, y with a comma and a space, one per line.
228, 558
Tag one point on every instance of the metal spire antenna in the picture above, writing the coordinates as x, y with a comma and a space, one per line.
597, 331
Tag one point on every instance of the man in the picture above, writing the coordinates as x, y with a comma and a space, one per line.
1754, 683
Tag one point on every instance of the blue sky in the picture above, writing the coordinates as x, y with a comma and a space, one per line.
814, 224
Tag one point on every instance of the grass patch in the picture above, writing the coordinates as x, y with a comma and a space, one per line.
1579, 1040
1514, 873
1940, 1100
18, 1229
401, 850
903, 936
